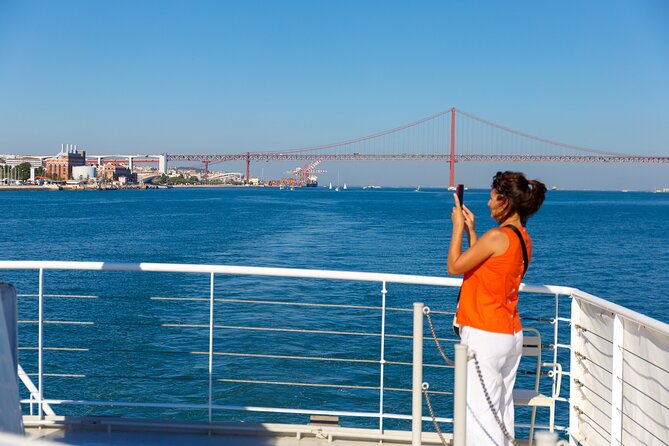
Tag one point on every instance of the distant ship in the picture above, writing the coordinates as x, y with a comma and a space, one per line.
372, 187
312, 181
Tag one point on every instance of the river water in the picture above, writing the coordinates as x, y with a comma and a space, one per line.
143, 347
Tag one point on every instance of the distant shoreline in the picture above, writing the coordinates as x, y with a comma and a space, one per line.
232, 186
132, 187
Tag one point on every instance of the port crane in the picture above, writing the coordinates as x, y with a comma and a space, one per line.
306, 174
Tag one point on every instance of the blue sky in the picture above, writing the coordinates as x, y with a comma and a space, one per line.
219, 76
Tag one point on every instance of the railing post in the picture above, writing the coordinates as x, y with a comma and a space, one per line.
576, 372
460, 396
417, 386
617, 382
211, 339
40, 346
382, 361
555, 337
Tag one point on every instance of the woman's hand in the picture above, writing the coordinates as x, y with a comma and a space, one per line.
457, 216
469, 218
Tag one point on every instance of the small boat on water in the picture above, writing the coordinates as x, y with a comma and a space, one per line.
371, 186
417, 189
345, 186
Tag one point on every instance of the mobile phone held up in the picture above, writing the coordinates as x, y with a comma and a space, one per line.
460, 190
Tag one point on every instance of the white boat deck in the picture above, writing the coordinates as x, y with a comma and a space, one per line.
117, 431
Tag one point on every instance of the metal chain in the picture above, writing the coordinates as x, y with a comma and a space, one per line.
489, 400
501, 425
434, 418
426, 310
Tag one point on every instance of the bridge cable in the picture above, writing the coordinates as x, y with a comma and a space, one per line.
363, 138
536, 138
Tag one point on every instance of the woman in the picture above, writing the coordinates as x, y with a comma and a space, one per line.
493, 267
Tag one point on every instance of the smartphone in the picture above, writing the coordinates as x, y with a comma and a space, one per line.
460, 190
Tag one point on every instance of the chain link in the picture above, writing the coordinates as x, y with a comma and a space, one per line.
489, 401
448, 360
434, 418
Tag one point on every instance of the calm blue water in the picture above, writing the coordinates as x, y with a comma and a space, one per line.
614, 245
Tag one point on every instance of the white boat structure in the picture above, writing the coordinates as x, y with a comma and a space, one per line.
603, 378
372, 186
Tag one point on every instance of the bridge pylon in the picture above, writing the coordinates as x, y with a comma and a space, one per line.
451, 181
248, 167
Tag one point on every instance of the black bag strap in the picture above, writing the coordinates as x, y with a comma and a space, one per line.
522, 245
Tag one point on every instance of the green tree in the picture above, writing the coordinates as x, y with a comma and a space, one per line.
23, 171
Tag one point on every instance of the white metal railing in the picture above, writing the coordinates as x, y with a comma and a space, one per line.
580, 300
212, 271
619, 374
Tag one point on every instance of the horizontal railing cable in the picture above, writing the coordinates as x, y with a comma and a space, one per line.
61, 296
645, 360
592, 422
283, 410
648, 396
230, 380
297, 304
636, 422
287, 330
235, 354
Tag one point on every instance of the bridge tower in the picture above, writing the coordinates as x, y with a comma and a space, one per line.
451, 181
205, 174
248, 168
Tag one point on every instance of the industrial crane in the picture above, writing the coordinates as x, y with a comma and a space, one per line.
306, 175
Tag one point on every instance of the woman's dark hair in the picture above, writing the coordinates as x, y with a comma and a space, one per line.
520, 194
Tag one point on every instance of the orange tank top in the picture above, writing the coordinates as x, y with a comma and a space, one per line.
489, 293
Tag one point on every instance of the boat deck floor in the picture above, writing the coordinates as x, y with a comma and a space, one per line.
94, 431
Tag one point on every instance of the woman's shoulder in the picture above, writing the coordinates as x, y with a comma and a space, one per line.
496, 233
498, 239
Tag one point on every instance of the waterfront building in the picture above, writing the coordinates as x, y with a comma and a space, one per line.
60, 166
113, 172
15, 160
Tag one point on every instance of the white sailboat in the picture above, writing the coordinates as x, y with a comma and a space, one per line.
330, 186
345, 186
337, 188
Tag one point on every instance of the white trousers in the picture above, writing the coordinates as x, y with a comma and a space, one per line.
498, 356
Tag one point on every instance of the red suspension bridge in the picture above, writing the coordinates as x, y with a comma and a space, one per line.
451, 136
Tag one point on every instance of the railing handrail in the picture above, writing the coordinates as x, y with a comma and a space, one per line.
263, 271
621, 311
